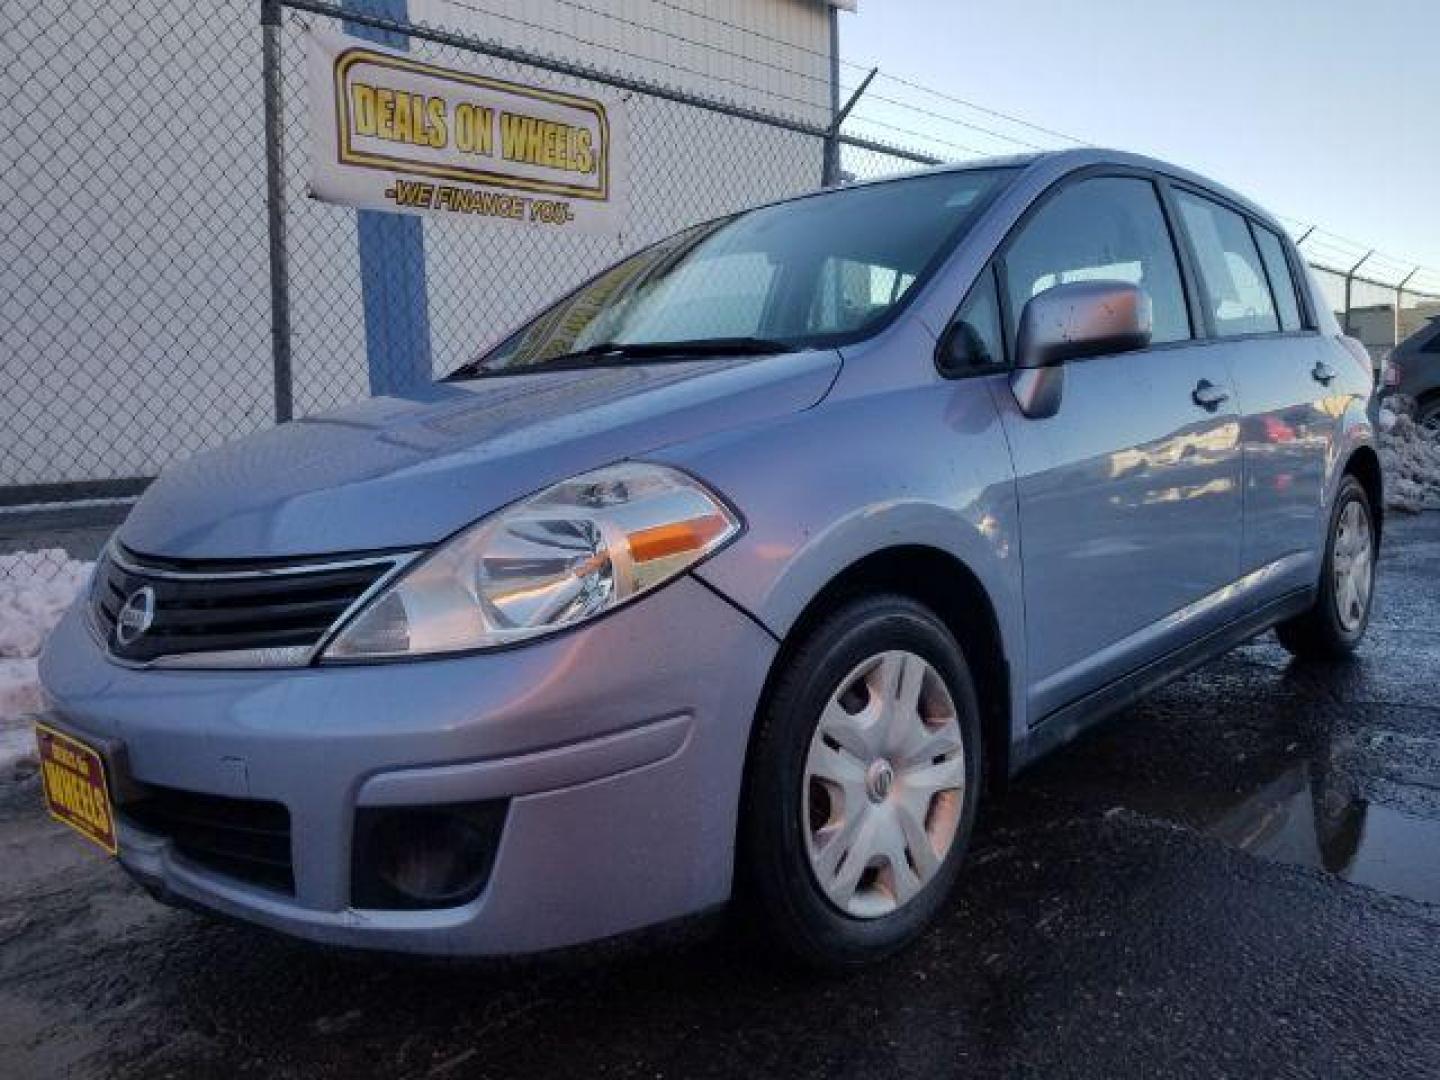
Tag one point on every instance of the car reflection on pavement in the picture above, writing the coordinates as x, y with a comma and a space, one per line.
1315, 814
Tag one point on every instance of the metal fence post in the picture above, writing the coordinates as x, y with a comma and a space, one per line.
1349, 284
833, 174
270, 21
1400, 300
830, 166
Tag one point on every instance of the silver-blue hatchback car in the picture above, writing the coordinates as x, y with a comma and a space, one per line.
745, 567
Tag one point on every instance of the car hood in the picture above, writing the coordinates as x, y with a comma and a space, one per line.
396, 472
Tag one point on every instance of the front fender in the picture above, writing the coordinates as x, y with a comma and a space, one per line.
923, 465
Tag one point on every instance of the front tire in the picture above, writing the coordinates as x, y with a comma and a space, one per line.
1336, 623
862, 785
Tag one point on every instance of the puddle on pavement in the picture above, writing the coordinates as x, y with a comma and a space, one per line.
1308, 817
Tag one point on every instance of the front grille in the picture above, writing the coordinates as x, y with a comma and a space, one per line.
246, 839
228, 607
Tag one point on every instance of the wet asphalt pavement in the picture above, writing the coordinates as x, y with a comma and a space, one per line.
1240, 877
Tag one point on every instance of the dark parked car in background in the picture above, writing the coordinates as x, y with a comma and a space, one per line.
1414, 371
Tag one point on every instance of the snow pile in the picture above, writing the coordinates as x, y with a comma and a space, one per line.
1411, 460
35, 589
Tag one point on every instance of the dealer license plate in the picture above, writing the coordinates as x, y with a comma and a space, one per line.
75, 790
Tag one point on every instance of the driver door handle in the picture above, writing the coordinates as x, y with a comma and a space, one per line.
1208, 396
1322, 373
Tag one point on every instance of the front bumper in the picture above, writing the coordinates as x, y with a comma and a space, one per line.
618, 746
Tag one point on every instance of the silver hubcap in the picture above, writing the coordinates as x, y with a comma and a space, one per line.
1354, 565
884, 785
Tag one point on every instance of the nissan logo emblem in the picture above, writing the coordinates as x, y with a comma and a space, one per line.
136, 616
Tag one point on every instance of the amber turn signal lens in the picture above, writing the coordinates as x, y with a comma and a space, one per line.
676, 537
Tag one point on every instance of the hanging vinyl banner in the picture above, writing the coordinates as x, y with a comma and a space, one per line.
391, 131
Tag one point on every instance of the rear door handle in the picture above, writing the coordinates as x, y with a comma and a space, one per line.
1208, 396
1322, 372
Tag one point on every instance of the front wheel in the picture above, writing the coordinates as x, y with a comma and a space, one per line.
863, 783
1334, 626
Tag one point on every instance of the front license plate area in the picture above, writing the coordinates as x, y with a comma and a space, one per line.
76, 791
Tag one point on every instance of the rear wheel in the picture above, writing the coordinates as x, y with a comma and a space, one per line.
863, 783
1335, 625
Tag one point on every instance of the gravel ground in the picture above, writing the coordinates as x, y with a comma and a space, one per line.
1240, 877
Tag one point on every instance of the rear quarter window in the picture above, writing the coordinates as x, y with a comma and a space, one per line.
1282, 281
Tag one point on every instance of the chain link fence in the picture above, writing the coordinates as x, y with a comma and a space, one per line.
135, 321
1380, 310
689, 161
170, 286
137, 309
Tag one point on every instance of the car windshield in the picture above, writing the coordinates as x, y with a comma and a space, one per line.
812, 272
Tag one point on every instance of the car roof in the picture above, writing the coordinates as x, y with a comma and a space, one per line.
1061, 162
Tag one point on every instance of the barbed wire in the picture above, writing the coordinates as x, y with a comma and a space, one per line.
957, 100
865, 118
931, 114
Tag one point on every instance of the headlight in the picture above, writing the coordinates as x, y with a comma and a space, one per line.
565, 555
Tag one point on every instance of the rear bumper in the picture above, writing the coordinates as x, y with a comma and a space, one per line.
617, 749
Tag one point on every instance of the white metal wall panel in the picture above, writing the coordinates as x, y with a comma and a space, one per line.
766, 54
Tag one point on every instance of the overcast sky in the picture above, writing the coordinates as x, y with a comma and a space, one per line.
1323, 110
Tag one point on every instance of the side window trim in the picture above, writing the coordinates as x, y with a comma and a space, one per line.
1002, 301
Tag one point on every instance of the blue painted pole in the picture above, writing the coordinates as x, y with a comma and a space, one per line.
392, 259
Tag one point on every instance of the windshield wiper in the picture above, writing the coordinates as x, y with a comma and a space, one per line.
609, 352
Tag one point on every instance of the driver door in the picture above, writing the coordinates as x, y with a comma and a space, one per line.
1130, 495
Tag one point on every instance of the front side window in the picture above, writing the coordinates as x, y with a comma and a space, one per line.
1231, 274
1109, 228
812, 272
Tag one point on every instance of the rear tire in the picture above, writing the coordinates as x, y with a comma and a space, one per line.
1335, 625
850, 845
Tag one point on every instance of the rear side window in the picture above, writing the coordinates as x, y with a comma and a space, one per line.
1282, 282
1231, 274
1110, 228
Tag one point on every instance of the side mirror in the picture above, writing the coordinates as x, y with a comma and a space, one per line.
1084, 318
1071, 322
